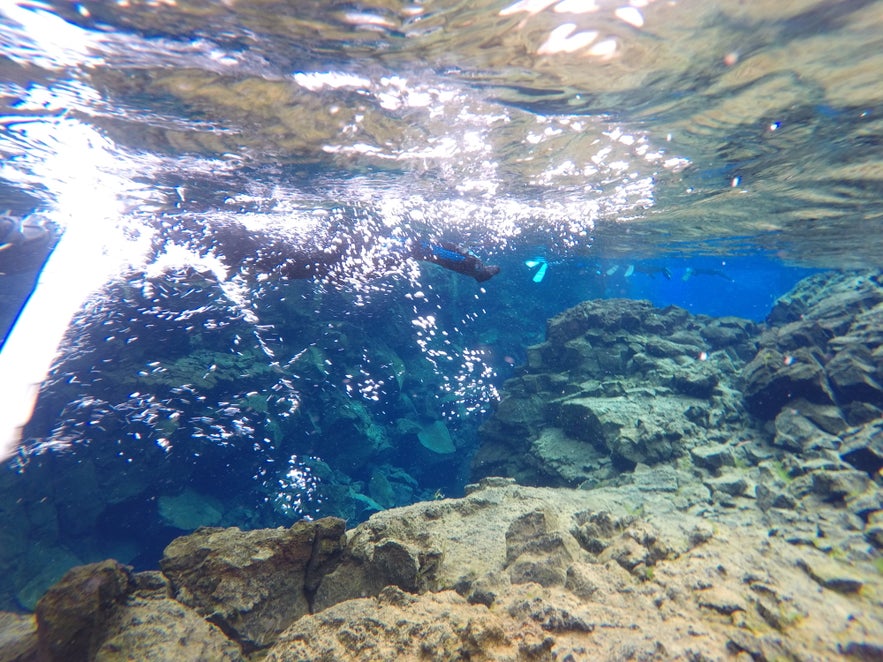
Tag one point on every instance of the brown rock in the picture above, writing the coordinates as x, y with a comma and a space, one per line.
163, 629
18, 637
71, 617
398, 626
253, 584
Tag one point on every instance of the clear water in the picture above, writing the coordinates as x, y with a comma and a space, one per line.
707, 155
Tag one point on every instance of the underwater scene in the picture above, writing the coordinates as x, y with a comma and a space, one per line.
436, 330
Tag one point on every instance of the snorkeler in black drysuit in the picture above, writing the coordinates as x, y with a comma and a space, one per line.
264, 252
453, 257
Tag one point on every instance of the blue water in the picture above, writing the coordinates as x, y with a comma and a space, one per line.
684, 160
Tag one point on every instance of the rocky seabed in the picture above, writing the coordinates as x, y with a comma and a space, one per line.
677, 488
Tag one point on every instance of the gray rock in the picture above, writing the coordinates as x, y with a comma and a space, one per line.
828, 418
874, 529
729, 483
771, 496
773, 379
795, 432
536, 551
656, 479
840, 485
633, 384
852, 376
696, 383
713, 456
863, 447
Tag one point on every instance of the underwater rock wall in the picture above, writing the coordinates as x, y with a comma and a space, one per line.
728, 502
617, 383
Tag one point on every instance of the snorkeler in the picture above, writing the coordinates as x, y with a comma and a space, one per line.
453, 257
340, 252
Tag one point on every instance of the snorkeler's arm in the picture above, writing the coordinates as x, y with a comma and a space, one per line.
451, 256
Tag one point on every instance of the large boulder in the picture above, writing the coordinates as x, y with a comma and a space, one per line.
73, 615
824, 345
253, 584
512, 572
163, 629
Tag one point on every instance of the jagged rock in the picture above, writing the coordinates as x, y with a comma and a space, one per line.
695, 383
18, 637
549, 617
630, 429
771, 496
502, 530
656, 479
839, 485
395, 626
852, 376
713, 456
567, 574
863, 448
834, 297
253, 584
831, 575
633, 383
163, 629
734, 332
563, 459
613, 315
827, 418
825, 347
731, 483
795, 432
72, 616
773, 379
536, 551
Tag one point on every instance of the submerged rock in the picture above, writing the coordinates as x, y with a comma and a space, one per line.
397, 625
824, 344
163, 629
506, 573
252, 584
617, 382
190, 510
708, 522
72, 617
18, 637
